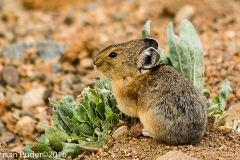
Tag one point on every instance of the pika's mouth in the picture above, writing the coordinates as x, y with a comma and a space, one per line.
97, 63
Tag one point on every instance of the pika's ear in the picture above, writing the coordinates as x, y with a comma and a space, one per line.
150, 42
149, 58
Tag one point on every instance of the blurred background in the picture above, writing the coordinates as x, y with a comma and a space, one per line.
47, 49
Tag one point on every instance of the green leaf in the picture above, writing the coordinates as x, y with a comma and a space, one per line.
86, 129
55, 136
43, 139
64, 111
81, 113
146, 30
221, 98
94, 146
194, 46
108, 112
104, 83
69, 100
91, 114
206, 93
94, 96
101, 110
70, 149
40, 147
178, 52
224, 92
54, 102
59, 123
165, 59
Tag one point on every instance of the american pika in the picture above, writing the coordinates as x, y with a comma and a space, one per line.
166, 102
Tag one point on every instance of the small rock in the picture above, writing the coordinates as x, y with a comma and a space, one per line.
68, 67
77, 89
86, 63
175, 155
33, 97
229, 35
45, 68
66, 83
2, 105
56, 67
10, 122
26, 85
47, 94
27, 112
238, 93
2, 128
233, 112
224, 129
10, 75
16, 100
42, 116
8, 137
121, 132
186, 12
136, 130
26, 126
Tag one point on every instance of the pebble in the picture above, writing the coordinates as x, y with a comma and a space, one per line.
33, 97
26, 126
66, 83
10, 75
175, 155
13, 99
8, 137
186, 12
27, 112
86, 63
136, 130
238, 93
2, 128
121, 132
233, 112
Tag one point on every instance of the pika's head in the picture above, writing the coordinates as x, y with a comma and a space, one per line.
128, 58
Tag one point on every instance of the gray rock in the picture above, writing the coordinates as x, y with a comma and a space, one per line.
10, 75
66, 83
175, 155
46, 49
13, 99
33, 97
2, 128
121, 132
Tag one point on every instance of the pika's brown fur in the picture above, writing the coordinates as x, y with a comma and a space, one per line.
168, 105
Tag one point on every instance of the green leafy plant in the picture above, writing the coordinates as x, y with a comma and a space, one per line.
185, 54
80, 126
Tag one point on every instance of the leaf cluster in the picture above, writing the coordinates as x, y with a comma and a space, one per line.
80, 126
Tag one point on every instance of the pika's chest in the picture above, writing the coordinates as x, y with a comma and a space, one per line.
127, 98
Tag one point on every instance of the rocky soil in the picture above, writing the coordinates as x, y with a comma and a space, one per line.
47, 49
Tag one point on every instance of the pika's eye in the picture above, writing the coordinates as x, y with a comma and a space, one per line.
113, 54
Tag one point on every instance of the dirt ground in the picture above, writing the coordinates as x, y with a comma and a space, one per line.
79, 30
214, 145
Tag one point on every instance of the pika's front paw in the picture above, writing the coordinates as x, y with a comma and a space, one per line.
146, 133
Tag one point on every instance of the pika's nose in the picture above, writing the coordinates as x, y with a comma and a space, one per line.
97, 61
